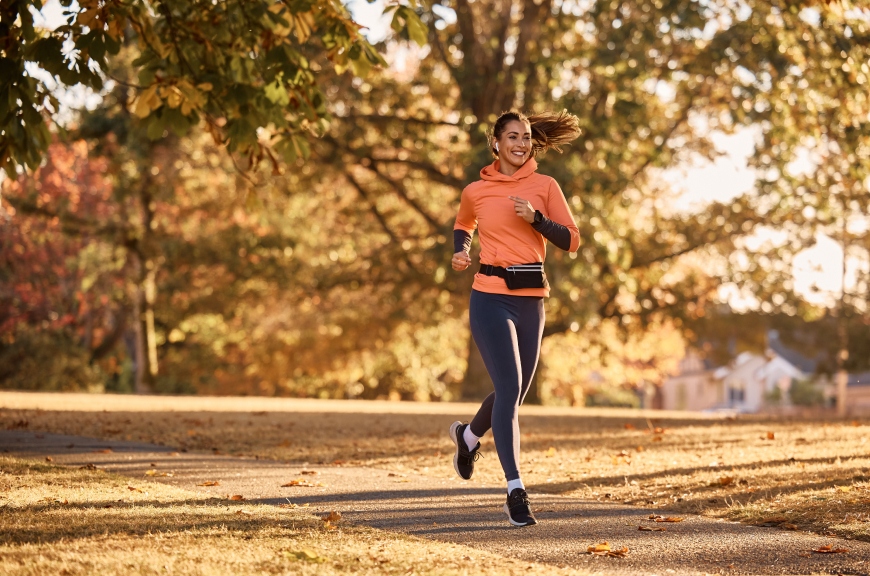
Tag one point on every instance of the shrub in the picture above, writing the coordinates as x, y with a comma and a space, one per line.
805, 393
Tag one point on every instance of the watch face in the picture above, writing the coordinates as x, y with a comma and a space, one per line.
538, 217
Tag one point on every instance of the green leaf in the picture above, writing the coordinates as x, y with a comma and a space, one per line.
48, 54
277, 93
417, 30
252, 201
156, 126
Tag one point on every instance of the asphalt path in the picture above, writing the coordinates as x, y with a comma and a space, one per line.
468, 513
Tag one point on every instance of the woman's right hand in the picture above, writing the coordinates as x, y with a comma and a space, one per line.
461, 261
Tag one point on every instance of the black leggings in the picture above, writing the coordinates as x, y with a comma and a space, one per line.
507, 330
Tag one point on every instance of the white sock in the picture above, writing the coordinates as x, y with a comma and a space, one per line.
470, 439
514, 484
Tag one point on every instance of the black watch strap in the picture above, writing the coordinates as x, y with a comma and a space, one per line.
538, 217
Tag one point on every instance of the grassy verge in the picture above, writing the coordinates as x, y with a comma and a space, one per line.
807, 475
62, 521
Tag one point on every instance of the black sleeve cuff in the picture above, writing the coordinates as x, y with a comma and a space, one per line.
461, 241
556, 233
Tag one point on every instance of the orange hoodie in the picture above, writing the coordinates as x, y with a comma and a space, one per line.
505, 238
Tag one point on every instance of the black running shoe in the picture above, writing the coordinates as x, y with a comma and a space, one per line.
463, 460
518, 509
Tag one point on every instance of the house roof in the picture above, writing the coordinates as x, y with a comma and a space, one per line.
803, 363
859, 379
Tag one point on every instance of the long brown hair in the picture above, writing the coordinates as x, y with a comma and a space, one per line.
549, 129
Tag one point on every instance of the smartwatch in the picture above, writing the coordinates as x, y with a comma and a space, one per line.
538, 217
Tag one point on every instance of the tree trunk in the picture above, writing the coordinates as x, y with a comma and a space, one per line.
143, 381
842, 378
143, 298
150, 293
533, 396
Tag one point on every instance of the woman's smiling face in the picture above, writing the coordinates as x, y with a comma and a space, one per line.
515, 143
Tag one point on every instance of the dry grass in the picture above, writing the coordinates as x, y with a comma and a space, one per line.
65, 521
809, 475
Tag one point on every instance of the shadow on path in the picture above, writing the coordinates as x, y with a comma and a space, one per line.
467, 513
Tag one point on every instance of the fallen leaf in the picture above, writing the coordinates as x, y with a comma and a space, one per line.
651, 529
133, 489
844, 488
210, 483
245, 512
103, 451
237, 497
726, 480
669, 519
829, 549
639, 448
629, 426
88, 466
332, 517
657, 439
305, 555
309, 472
789, 526
158, 474
603, 549
771, 436
551, 451
49, 459
301, 482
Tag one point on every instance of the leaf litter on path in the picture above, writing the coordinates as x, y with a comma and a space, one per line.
829, 549
660, 518
604, 549
302, 482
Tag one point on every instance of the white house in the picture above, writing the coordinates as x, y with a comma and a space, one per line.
752, 378
745, 385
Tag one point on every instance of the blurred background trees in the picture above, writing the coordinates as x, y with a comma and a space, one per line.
176, 261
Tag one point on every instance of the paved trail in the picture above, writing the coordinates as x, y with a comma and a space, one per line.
470, 513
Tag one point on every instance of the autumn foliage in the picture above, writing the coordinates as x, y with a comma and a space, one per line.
61, 291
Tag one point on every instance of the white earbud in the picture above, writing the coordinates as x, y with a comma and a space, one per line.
496, 146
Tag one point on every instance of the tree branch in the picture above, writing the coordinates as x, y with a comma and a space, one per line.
378, 216
433, 172
387, 118
396, 186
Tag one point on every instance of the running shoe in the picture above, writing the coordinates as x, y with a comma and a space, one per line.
518, 508
464, 459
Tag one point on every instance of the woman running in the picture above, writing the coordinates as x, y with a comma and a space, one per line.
516, 211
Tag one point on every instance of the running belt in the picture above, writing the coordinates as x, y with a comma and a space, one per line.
490, 270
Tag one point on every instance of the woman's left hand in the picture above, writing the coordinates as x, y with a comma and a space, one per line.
523, 208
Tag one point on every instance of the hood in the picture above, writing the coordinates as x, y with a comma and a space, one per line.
491, 174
